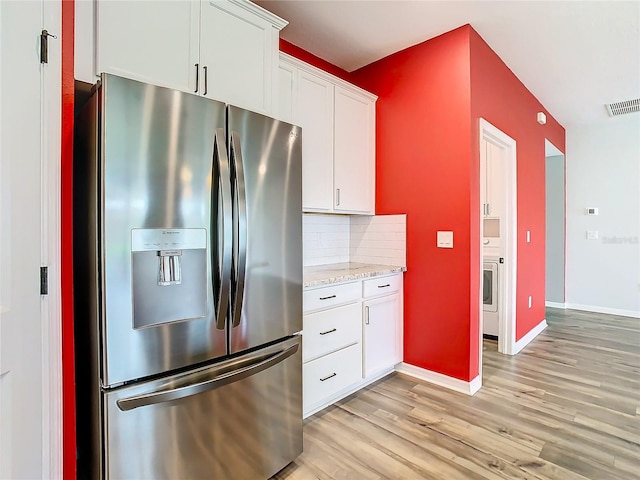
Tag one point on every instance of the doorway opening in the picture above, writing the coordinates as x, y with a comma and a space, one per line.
498, 236
555, 226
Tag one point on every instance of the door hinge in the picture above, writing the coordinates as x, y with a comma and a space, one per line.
44, 46
44, 280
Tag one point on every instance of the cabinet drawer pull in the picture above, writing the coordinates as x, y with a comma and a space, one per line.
328, 377
328, 331
327, 298
384, 286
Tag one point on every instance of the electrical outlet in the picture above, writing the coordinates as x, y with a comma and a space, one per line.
529, 301
592, 234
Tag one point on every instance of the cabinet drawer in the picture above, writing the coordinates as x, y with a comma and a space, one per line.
326, 376
326, 297
381, 285
330, 330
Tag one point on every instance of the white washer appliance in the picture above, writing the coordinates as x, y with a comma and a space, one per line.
490, 289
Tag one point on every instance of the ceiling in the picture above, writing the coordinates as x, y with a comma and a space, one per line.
574, 56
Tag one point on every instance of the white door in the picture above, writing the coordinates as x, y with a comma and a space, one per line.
354, 156
25, 449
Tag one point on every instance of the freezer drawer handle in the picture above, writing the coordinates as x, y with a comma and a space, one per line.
328, 377
264, 362
327, 298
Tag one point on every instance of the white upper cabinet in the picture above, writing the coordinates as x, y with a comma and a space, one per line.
313, 111
153, 42
239, 49
222, 49
353, 150
287, 84
338, 138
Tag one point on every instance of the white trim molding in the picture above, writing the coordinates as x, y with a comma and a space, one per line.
508, 281
455, 384
555, 305
607, 310
51, 314
533, 333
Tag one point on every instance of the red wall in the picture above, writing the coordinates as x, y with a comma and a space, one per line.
500, 98
424, 169
66, 201
311, 59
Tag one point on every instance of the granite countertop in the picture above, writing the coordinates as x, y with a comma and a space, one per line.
345, 272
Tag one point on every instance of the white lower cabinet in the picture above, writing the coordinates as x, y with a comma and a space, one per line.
380, 334
352, 336
326, 376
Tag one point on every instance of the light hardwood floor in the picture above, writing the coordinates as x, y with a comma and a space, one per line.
567, 408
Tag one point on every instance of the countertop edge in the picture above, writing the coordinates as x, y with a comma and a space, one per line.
332, 279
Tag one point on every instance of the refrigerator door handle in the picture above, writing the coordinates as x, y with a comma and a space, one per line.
240, 203
250, 367
221, 163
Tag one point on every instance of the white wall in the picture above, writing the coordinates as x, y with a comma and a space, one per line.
555, 260
603, 171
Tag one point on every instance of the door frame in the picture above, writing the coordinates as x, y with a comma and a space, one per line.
508, 274
51, 306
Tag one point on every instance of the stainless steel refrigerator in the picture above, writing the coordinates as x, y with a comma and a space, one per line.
188, 286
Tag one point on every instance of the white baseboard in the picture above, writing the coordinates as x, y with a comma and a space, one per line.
468, 388
533, 333
607, 310
555, 305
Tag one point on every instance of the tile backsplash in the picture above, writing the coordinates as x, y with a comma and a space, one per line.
379, 239
325, 239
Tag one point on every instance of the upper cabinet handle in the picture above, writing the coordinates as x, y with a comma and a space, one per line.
197, 79
205, 80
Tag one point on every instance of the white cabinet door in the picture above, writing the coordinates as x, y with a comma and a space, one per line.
496, 180
354, 156
313, 111
381, 320
287, 87
236, 50
153, 42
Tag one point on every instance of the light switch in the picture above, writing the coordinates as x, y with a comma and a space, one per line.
528, 236
445, 239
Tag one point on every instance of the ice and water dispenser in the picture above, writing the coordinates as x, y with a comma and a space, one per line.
169, 275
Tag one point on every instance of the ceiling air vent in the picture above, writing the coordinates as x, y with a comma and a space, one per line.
621, 108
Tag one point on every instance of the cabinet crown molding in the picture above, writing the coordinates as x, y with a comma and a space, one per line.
285, 57
277, 22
